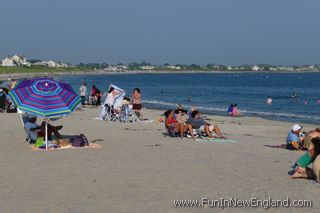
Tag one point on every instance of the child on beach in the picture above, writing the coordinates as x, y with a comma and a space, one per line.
230, 109
235, 110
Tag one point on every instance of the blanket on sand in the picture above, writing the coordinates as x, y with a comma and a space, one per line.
91, 146
215, 140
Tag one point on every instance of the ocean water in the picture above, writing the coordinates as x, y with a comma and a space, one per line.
213, 92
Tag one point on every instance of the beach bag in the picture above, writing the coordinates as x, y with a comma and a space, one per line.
79, 141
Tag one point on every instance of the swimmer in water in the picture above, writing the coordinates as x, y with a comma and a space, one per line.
294, 95
269, 100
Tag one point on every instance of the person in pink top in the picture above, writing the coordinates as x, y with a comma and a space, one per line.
235, 110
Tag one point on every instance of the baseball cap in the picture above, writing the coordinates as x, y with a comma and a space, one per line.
296, 127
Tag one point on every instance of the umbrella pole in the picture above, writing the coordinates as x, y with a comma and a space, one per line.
46, 135
21, 119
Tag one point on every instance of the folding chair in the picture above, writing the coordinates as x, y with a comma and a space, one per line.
24, 119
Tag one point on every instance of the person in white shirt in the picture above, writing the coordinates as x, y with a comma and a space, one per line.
83, 93
108, 103
34, 130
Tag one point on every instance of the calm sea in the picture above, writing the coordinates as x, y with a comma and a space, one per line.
213, 92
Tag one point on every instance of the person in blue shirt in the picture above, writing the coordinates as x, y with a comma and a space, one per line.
230, 109
294, 138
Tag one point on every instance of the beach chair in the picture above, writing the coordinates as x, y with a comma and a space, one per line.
127, 115
172, 133
113, 115
24, 119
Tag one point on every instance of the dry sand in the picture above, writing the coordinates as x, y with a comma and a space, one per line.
140, 170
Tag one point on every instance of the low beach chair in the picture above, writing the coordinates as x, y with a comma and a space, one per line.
24, 120
114, 115
127, 115
172, 133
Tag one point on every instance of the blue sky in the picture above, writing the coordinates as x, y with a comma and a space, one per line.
174, 31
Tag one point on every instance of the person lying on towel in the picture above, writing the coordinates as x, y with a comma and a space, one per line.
34, 130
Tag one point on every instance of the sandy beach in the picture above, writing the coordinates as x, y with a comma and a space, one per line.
140, 170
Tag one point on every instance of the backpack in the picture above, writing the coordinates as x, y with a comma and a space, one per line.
79, 141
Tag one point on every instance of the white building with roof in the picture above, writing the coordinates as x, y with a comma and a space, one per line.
16, 60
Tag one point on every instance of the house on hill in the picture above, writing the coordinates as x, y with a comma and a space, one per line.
16, 60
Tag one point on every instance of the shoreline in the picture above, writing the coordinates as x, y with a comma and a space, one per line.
238, 117
5, 76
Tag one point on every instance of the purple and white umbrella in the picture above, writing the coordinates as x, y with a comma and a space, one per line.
44, 98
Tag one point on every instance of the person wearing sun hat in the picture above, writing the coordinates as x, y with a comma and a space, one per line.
294, 140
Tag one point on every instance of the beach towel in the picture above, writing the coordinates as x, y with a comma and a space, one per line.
91, 146
118, 98
215, 140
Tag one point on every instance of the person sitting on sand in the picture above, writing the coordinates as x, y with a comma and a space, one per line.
180, 114
235, 111
301, 169
309, 136
294, 140
125, 101
172, 124
190, 111
34, 130
198, 123
230, 109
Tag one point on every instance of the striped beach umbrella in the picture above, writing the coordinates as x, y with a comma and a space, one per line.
44, 98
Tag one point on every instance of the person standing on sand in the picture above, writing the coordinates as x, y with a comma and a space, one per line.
83, 93
136, 102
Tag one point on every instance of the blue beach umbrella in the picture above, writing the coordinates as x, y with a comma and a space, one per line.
46, 98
